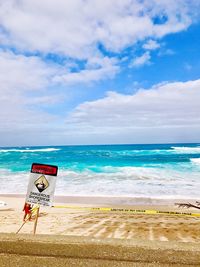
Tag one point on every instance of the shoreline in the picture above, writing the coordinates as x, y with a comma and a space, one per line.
110, 200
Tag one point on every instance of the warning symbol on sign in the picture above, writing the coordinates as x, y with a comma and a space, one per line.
41, 183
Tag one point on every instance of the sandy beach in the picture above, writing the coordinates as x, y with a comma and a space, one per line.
73, 233
78, 221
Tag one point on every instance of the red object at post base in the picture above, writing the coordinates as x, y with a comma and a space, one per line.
44, 169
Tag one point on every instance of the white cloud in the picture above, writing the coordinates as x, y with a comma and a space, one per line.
166, 112
96, 69
25, 93
151, 45
22, 84
142, 60
18, 72
75, 27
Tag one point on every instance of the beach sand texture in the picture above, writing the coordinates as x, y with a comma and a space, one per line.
54, 251
79, 237
100, 224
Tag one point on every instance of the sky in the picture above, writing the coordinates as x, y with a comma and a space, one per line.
99, 72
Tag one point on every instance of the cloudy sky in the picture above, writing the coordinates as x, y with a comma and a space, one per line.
96, 72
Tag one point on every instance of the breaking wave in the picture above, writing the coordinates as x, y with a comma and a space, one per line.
119, 181
189, 150
27, 150
197, 160
128, 170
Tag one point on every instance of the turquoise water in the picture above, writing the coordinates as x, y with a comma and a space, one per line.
167, 170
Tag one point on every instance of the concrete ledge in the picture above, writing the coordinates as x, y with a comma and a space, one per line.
43, 250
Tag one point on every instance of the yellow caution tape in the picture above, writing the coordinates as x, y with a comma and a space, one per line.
136, 211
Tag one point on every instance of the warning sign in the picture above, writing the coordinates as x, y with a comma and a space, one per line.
42, 184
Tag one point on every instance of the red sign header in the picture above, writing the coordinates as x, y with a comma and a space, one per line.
44, 169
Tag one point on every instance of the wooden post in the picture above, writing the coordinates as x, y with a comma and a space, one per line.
23, 224
36, 220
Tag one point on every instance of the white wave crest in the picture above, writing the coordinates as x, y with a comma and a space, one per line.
189, 150
113, 181
197, 161
27, 150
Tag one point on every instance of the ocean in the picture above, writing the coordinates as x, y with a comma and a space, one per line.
155, 171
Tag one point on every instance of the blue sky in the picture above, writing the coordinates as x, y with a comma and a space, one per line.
96, 72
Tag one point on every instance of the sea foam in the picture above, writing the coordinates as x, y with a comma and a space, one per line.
197, 160
190, 150
119, 181
128, 170
27, 150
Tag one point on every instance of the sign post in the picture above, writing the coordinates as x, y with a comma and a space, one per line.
36, 220
41, 186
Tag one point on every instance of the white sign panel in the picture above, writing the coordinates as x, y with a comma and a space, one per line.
42, 184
